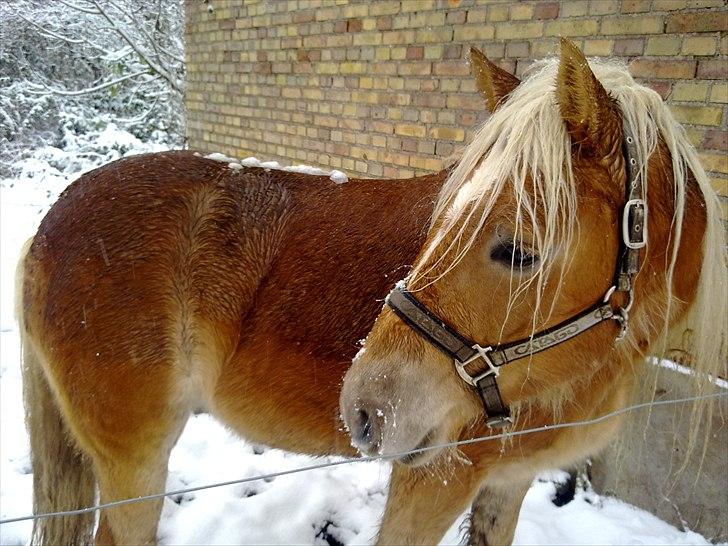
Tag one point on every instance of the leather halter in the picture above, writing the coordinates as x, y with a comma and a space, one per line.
466, 352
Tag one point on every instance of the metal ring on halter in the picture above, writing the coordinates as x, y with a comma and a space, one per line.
622, 317
621, 314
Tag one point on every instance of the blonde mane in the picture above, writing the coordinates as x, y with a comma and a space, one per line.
524, 148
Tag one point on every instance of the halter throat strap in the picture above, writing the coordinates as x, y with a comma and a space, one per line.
479, 366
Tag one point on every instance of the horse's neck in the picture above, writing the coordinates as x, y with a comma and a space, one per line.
342, 249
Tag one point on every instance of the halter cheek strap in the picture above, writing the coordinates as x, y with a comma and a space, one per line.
467, 353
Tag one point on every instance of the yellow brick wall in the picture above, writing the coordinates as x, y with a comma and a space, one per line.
381, 87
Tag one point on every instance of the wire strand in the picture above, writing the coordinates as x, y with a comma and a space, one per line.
330, 464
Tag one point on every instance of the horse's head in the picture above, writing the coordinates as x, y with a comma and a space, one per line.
526, 235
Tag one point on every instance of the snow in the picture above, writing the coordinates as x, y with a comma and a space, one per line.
337, 177
343, 502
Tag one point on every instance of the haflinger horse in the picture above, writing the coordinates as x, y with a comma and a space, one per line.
575, 231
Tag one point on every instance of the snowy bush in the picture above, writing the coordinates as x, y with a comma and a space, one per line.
69, 68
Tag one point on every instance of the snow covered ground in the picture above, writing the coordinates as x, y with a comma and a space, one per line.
335, 505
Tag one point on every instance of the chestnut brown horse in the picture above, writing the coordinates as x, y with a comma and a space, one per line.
163, 284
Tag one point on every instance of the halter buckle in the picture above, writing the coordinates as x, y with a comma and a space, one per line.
634, 222
481, 352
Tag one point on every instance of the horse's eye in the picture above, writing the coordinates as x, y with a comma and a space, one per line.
512, 255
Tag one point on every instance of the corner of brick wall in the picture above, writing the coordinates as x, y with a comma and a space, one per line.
382, 88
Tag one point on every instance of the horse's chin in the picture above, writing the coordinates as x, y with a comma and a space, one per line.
431, 446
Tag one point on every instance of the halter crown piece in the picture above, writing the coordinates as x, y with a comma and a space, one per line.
465, 352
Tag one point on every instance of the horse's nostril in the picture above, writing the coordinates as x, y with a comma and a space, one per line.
365, 431
365, 424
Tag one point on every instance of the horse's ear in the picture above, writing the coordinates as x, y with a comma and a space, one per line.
492, 81
587, 109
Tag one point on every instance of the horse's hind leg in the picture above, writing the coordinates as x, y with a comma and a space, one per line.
495, 514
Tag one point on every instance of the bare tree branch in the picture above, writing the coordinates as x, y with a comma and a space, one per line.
65, 93
153, 65
78, 8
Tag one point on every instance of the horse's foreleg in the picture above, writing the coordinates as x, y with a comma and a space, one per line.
495, 514
424, 502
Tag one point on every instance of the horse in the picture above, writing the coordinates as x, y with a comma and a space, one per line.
164, 284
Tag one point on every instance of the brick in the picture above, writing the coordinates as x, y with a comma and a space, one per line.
521, 12
565, 27
356, 10
384, 7
368, 38
662, 87
635, 6
575, 8
648, 68
709, 21
714, 69
369, 23
417, 5
476, 15
713, 162
687, 91
451, 68
629, 46
456, 17
354, 25
706, 3
304, 16
409, 130
632, 25
427, 19
398, 37
383, 53
699, 45
497, 14
601, 48
545, 48
603, 7
720, 185
716, 140
517, 49
415, 53
697, 115
511, 31
719, 92
426, 163
663, 45
452, 51
414, 69
384, 23
474, 33
447, 133
668, 5
398, 53
433, 52
434, 35
546, 10
465, 102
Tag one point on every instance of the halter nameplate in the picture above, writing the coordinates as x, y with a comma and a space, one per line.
465, 352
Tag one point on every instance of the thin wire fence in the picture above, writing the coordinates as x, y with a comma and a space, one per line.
393, 456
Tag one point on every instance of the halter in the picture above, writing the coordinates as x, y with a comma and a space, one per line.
465, 352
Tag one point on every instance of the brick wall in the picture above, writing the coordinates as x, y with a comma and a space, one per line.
381, 88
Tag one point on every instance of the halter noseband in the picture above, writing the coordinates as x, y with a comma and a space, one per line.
465, 352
